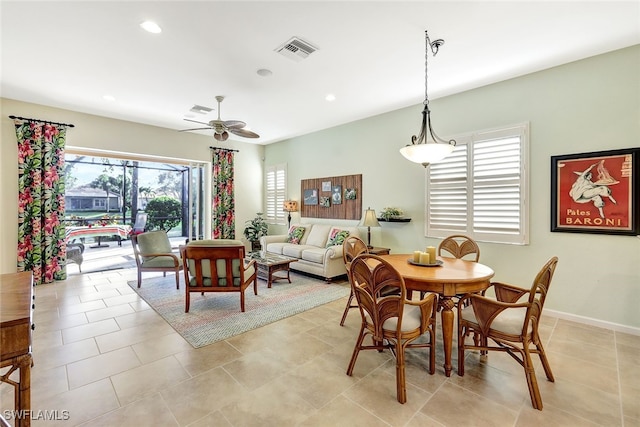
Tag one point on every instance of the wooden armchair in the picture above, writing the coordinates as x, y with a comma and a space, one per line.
152, 251
511, 323
217, 266
392, 321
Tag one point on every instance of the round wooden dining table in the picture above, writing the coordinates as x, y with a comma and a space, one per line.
455, 277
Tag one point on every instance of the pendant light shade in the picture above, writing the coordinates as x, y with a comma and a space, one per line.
428, 147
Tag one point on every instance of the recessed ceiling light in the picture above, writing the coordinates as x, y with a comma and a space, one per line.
264, 72
330, 97
151, 27
109, 98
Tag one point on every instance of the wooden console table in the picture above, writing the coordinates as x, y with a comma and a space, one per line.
16, 309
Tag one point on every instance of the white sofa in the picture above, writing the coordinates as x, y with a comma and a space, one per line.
315, 255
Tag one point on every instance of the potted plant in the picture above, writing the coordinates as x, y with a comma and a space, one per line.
254, 229
389, 213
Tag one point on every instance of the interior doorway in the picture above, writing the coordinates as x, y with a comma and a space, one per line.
104, 193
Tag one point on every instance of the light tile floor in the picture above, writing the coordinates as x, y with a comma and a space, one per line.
106, 358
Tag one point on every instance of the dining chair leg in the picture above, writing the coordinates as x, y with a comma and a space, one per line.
545, 362
346, 309
400, 378
356, 351
177, 280
187, 301
139, 278
461, 337
532, 382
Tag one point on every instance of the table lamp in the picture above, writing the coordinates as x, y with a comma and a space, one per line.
290, 206
369, 220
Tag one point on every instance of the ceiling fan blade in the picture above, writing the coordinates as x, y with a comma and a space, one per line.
221, 136
244, 133
187, 130
195, 121
235, 124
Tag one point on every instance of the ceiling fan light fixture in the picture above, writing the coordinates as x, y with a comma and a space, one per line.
425, 150
221, 136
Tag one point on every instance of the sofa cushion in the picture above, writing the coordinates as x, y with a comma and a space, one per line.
337, 236
314, 254
318, 235
294, 251
276, 247
295, 235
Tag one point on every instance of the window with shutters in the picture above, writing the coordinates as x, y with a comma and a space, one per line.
481, 189
276, 182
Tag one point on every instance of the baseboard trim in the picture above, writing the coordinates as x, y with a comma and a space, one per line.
593, 322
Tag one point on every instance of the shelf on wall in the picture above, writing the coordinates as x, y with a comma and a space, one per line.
395, 219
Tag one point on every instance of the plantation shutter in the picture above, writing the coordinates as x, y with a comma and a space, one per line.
481, 188
276, 183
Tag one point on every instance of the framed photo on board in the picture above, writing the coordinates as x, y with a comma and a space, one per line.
596, 192
311, 197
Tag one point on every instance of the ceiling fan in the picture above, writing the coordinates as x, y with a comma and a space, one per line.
223, 127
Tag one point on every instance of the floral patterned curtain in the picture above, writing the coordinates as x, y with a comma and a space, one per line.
223, 203
41, 233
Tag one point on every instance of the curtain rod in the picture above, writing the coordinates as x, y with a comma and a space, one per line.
43, 121
225, 149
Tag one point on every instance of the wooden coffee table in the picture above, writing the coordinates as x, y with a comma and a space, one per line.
269, 264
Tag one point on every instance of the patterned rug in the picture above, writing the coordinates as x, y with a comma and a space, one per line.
217, 316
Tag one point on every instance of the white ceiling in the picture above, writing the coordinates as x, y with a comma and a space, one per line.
370, 55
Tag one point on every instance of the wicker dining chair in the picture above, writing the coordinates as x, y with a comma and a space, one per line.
392, 321
351, 248
510, 323
461, 247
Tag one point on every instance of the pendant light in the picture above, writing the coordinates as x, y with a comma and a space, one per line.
425, 150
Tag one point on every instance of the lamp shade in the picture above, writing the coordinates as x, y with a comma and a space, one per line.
426, 153
369, 219
290, 206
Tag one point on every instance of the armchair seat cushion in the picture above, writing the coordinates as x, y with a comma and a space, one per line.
507, 322
161, 261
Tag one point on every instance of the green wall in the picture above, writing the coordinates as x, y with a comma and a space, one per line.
588, 105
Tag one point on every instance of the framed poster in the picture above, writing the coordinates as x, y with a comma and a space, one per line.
326, 186
596, 192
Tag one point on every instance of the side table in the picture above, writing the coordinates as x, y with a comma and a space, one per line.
379, 251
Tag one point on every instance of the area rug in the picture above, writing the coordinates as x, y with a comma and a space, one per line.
216, 316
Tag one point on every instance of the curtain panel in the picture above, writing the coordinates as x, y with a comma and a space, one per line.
41, 184
223, 200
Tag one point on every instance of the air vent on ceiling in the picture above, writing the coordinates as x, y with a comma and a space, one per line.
296, 49
200, 109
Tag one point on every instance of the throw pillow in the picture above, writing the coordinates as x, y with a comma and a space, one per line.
295, 235
336, 237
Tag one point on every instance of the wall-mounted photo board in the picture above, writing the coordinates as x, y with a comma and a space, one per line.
340, 197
